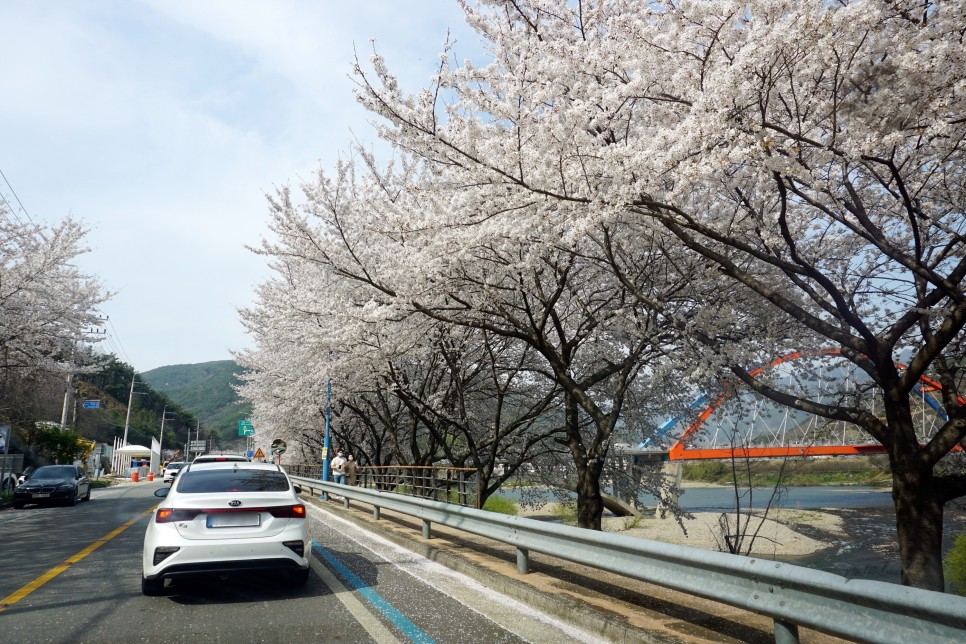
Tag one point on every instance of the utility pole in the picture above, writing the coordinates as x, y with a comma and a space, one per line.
130, 399
63, 413
73, 422
164, 417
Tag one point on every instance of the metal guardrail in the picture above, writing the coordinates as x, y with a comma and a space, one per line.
793, 596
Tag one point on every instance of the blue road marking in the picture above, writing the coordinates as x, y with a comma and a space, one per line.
410, 630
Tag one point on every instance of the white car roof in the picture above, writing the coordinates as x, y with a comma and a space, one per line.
242, 465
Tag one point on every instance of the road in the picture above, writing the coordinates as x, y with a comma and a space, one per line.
72, 574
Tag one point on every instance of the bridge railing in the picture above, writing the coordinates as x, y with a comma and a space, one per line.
793, 596
439, 483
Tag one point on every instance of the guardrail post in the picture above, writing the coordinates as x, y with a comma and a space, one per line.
523, 561
345, 502
785, 632
426, 525
375, 512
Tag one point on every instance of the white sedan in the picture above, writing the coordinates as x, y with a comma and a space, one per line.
223, 518
171, 471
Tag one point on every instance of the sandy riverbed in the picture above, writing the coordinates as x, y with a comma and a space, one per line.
777, 535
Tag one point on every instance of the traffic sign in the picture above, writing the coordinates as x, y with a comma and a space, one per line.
197, 446
92, 404
245, 428
259, 453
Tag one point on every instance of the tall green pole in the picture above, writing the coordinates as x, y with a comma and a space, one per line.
326, 442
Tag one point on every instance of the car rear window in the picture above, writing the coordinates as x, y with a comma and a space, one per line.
233, 480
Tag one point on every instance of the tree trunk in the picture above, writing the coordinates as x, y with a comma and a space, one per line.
590, 505
919, 521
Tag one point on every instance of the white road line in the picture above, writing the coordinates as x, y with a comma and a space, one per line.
358, 610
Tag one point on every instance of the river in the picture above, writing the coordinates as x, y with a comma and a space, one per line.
869, 552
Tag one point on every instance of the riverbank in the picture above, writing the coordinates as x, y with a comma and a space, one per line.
780, 534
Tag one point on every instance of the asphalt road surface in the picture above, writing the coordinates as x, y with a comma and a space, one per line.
72, 574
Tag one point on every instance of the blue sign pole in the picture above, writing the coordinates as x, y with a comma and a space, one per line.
326, 442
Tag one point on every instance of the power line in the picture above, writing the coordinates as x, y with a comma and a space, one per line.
118, 340
14, 193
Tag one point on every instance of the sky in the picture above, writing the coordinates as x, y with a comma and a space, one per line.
163, 124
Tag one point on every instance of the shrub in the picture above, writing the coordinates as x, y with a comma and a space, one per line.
955, 566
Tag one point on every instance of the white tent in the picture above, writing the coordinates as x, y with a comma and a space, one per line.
133, 450
128, 457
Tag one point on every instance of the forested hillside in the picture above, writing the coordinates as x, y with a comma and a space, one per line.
205, 389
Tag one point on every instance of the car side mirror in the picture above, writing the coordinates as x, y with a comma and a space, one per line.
162, 492
298, 489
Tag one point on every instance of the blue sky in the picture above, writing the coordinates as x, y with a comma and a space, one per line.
162, 125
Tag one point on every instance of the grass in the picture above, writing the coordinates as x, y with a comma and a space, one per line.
500, 505
566, 512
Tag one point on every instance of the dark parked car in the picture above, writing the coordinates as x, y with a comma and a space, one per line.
49, 484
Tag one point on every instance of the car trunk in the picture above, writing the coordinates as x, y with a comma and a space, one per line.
240, 516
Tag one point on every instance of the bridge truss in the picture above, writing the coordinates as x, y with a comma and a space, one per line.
741, 424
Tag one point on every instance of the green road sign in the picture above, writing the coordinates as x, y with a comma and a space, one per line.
245, 428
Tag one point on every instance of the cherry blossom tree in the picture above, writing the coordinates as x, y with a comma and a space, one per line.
47, 304
410, 391
807, 154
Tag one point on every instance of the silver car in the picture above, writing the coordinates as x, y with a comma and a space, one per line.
222, 518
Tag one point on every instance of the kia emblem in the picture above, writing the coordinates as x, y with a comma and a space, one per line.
234, 504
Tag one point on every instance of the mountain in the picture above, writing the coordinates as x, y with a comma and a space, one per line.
205, 389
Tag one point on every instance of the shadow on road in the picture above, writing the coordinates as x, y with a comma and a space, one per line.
237, 588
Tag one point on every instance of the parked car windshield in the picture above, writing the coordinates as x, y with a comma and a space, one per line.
232, 480
55, 472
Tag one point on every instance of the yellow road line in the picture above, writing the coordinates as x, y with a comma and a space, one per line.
16, 596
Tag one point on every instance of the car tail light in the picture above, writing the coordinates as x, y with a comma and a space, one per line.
169, 515
298, 547
162, 553
296, 511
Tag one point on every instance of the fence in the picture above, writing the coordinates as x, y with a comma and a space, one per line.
792, 596
451, 484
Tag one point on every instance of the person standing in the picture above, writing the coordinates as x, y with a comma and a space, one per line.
338, 468
350, 469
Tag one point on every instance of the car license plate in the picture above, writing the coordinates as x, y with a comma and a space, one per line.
234, 520
40, 495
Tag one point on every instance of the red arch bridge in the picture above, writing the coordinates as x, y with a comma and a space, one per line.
741, 424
